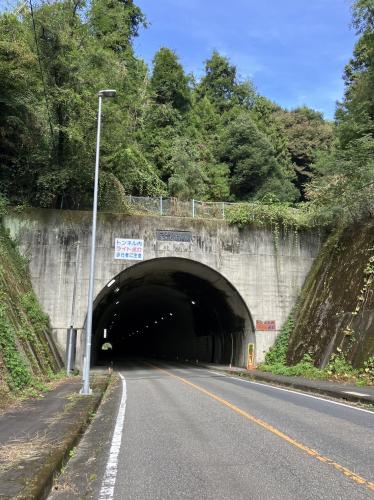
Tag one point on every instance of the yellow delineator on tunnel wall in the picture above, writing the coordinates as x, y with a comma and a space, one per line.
251, 356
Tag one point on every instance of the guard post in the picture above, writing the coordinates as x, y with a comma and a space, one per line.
251, 357
71, 347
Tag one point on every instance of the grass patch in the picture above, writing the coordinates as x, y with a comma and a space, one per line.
338, 370
275, 215
19, 450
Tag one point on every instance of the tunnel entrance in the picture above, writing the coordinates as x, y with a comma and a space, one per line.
171, 308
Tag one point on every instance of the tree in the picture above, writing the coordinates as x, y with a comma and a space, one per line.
278, 188
24, 133
265, 114
217, 139
115, 23
355, 115
188, 179
343, 187
169, 84
306, 133
137, 175
249, 154
217, 181
221, 86
203, 120
162, 126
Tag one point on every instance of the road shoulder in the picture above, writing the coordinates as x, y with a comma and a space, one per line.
29, 459
82, 475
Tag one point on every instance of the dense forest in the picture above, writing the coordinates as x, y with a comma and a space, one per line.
168, 133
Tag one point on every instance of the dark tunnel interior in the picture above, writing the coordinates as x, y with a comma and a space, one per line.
170, 308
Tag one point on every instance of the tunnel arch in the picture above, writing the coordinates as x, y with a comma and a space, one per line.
173, 308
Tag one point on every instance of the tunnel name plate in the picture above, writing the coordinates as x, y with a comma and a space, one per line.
179, 236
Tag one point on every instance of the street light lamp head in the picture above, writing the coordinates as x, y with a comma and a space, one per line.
107, 93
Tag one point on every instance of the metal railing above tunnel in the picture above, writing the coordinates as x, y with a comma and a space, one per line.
173, 207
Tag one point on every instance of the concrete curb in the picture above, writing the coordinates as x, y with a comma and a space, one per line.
311, 386
36, 477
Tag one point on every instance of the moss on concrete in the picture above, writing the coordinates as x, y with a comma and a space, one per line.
336, 308
26, 357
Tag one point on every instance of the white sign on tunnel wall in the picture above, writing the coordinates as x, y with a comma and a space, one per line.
128, 249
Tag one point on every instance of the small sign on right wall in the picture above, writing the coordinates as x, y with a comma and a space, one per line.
265, 326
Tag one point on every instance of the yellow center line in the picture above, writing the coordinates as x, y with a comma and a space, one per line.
313, 453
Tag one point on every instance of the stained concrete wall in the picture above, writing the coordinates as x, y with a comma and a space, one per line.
268, 275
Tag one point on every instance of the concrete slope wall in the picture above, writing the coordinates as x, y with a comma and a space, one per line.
337, 305
268, 274
27, 355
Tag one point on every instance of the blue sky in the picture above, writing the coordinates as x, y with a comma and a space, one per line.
293, 50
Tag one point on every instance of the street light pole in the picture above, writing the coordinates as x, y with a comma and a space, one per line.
87, 353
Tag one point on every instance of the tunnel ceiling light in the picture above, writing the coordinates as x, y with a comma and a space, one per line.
146, 326
111, 283
117, 302
193, 302
162, 317
170, 314
155, 322
116, 290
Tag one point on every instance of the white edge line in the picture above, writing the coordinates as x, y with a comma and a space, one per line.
110, 476
357, 394
293, 392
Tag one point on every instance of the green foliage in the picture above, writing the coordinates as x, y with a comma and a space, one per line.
338, 366
278, 189
368, 370
18, 375
112, 194
135, 173
221, 86
337, 369
243, 147
188, 178
116, 23
275, 359
26, 360
305, 368
306, 134
162, 127
36, 316
249, 154
168, 82
3, 205
355, 113
343, 188
276, 215
217, 181
277, 353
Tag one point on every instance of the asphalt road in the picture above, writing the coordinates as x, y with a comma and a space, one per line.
189, 433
